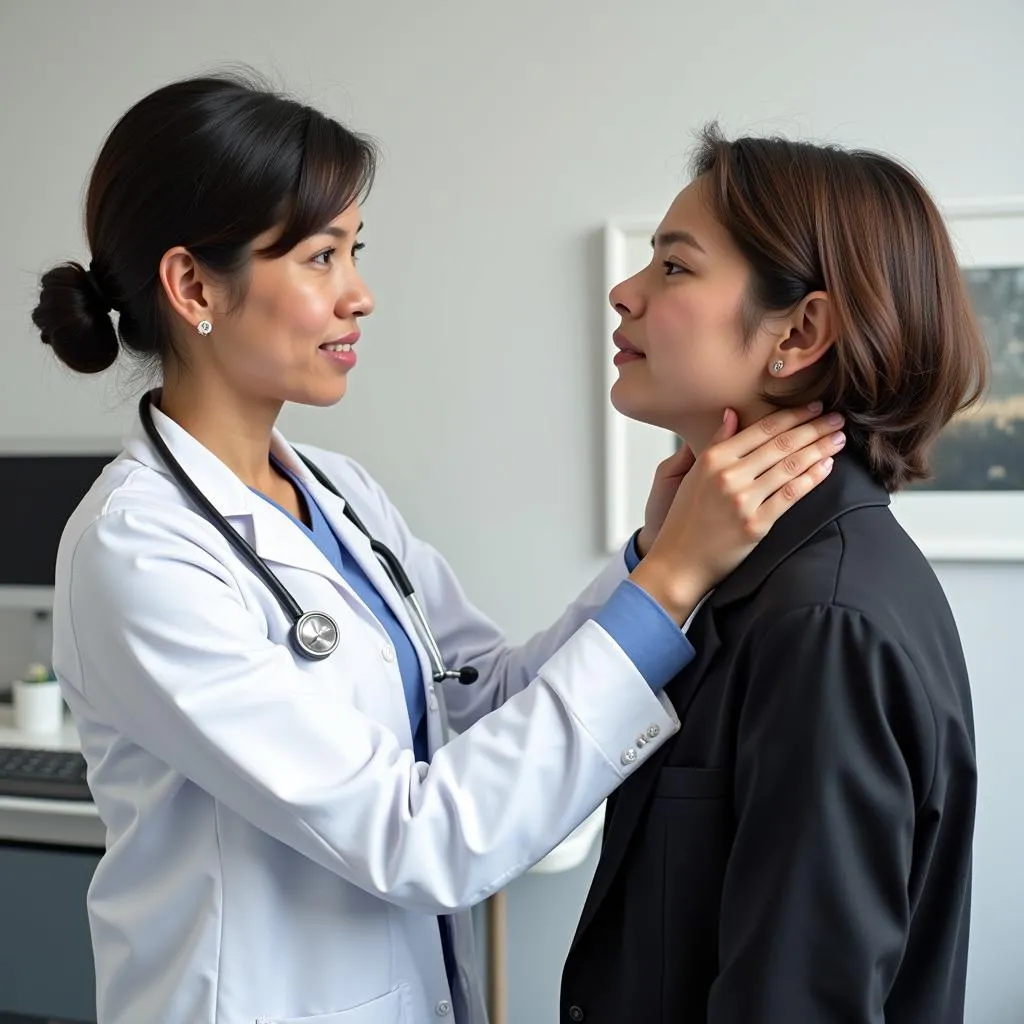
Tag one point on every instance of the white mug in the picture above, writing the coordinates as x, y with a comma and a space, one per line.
38, 707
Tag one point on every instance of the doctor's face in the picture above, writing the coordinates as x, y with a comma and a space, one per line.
293, 337
682, 353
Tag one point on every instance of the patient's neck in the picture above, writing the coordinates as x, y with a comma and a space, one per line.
699, 431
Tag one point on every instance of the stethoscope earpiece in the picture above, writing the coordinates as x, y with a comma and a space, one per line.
314, 635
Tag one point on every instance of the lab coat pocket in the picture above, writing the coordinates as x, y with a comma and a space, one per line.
386, 1009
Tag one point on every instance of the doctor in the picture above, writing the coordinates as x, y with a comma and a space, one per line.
292, 834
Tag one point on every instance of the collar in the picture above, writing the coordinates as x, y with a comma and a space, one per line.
228, 495
849, 486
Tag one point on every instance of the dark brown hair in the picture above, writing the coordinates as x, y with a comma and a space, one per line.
208, 163
909, 353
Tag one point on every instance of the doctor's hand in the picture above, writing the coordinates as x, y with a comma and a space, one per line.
706, 514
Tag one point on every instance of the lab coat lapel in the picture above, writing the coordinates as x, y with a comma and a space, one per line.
358, 545
279, 542
275, 538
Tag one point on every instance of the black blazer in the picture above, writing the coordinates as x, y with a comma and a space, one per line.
800, 853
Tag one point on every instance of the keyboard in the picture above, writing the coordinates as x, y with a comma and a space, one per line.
43, 774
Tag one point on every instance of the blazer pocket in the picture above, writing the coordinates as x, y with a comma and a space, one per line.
386, 1009
692, 783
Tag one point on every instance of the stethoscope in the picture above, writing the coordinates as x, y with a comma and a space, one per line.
313, 635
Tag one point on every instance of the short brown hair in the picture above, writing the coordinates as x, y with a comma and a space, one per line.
909, 353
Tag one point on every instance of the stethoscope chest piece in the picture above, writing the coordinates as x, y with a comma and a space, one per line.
315, 635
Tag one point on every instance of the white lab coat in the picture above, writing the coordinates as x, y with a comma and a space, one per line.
274, 851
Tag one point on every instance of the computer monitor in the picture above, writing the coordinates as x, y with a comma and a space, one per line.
41, 483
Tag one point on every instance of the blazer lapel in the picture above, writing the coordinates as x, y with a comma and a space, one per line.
627, 806
849, 486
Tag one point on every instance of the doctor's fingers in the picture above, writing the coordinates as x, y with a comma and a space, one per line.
771, 440
788, 468
780, 488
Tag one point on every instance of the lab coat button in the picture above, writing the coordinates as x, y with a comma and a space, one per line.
628, 757
388, 653
576, 1014
652, 732
443, 1008
432, 703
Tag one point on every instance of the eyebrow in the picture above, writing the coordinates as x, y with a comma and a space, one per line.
667, 238
338, 232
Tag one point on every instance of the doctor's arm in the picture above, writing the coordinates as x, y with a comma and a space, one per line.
835, 750
167, 652
702, 516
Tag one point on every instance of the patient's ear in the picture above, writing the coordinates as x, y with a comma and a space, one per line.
808, 333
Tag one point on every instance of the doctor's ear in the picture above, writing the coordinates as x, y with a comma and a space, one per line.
808, 332
189, 291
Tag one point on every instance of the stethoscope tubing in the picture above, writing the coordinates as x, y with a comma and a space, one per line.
314, 635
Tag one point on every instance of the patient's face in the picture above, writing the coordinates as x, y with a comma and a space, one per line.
683, 316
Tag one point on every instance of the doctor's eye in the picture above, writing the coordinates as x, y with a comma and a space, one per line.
324, 257
672, 269
356, 250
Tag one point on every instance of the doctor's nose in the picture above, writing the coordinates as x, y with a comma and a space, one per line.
356, 300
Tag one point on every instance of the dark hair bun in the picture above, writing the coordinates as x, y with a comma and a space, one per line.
74, 319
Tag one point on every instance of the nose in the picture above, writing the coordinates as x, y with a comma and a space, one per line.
626, 298
356, 298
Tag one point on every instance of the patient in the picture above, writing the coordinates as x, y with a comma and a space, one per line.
801, 852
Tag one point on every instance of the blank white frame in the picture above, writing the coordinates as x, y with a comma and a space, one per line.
632, 450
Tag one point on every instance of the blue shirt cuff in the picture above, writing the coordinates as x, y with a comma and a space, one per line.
644, 630
632, 555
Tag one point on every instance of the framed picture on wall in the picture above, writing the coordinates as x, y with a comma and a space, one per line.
973, 508
632, 450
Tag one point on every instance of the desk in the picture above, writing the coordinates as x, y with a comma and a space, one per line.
48, 852
53, 822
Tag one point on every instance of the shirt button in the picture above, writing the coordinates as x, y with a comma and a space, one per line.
652, 732
443, 1008
388, 653
576, 1014
628, 757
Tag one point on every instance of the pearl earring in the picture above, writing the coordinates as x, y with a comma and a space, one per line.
777, 366
204, 327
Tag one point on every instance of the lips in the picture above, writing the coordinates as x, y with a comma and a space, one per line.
341, 344
623, 344
627, 351
340, 351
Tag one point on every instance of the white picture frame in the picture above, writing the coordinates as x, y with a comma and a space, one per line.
946, 525
632, 450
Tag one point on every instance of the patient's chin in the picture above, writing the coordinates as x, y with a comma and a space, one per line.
633, 407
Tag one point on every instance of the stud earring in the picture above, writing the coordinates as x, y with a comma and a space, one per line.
204, 327
777, 366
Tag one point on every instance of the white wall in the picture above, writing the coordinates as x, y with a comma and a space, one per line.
510, 133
